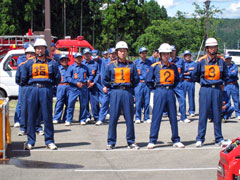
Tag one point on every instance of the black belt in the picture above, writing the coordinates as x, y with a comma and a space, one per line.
189, 80
122, 87
41, 85
211, 86
165, 87
235, 82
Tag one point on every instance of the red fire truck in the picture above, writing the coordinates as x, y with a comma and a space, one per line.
71, 46
229, 163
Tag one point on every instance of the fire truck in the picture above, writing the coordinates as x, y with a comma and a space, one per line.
229, 163
70, 46
8, 43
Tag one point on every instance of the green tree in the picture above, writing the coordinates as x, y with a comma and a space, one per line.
154, 11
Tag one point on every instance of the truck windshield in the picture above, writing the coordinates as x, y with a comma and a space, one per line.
234, 53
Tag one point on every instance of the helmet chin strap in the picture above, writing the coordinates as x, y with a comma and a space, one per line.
40, 55
213, 53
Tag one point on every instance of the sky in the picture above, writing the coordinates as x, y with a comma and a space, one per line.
230, 8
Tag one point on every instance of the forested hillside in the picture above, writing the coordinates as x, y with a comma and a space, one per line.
228, 30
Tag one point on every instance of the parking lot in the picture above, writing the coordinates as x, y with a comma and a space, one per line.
81, 153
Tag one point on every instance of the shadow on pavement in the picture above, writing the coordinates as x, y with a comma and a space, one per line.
32, 164
62, 130
16, 146
63, 145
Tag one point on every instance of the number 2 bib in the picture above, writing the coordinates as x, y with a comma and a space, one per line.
122, 75
212, 72
40, 71
166, 76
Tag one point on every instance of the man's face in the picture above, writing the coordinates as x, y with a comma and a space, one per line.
105, 56
173, 53
187, 57
165, 56
29, 55
112, 56
64, 61
143, 54
155, 54
122, 53
40, 50
52, 48
212, 50
78, 60
87, 56
228, 61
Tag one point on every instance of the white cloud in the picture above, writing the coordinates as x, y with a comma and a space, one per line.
235, 6
165, 3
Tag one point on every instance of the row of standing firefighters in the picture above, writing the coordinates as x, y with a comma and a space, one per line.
115, 83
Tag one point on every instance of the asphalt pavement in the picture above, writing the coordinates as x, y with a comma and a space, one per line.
82, 153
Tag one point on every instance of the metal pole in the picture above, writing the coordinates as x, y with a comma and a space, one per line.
207, 23
93, 31
47, 30
64, 18
207, 4
81, 17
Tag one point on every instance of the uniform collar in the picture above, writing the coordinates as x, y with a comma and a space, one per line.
211, 60
45, 60
163, 65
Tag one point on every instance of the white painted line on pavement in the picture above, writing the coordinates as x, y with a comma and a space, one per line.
119, 150
144, 170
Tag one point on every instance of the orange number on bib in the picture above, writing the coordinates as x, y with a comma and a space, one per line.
122, 75
75, 75
166, 76
212, 72
139, 71
40, 71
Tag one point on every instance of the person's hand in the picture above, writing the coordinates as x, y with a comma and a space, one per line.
105, 90
79, 85
191, 69
90, 84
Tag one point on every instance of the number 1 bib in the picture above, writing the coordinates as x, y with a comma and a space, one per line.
166, 76
40, 71
122, 75
212, 72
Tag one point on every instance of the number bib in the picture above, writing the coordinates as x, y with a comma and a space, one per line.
139, 71
212, 72
122, 75
167, 76
40, 71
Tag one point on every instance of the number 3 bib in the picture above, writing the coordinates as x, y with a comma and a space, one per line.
166, 76
122, 75
212, 72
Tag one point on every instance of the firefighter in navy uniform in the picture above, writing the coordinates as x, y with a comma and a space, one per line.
121, 77
142, 91
164, 75
62, 91
211, 72
231, 85
41, 74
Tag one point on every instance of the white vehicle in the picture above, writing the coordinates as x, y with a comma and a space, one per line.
8, 69
235, 54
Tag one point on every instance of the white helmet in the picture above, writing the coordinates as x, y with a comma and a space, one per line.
30, 49
40, 42
121, 44
211, 42
165, 48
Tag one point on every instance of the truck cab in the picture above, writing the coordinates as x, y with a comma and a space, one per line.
8, 69
70, 46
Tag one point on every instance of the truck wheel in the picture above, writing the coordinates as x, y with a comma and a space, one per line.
2, 94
